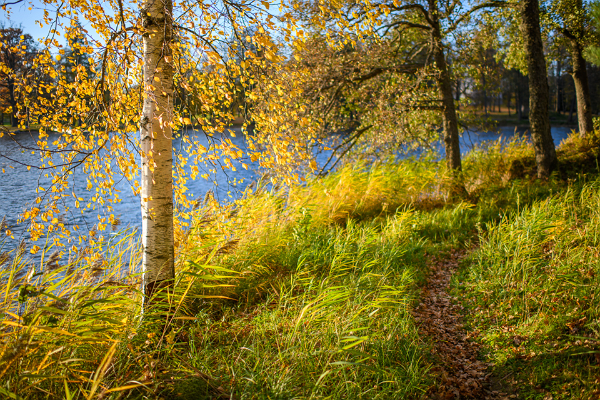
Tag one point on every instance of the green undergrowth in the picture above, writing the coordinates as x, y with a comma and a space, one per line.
301, 292
531, 288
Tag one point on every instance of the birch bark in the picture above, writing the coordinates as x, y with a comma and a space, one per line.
156, 143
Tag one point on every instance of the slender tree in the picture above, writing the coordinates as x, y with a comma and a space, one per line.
444, 84
539, 118
572, 20
156, 145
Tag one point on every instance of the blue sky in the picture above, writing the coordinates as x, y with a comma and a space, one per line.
20, 15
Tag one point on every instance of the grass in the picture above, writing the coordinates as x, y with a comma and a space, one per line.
531, 287
306, 292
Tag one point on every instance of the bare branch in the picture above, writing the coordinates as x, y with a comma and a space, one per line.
414, 6
490, 4
3, 5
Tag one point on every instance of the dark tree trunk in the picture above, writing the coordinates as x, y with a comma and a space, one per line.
449, 120
559, 87
519, 105
582, 89
13, 104
485, 108
457, 94
539, 119
571, 109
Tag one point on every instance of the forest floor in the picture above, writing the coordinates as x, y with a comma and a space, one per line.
461, 372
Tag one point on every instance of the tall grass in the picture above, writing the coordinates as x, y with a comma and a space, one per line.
326, 316
305, 291
62, 315
301, 292
533, 286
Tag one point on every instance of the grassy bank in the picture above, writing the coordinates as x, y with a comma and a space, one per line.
307, 292
532, 289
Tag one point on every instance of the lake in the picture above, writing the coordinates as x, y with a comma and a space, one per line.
17, 186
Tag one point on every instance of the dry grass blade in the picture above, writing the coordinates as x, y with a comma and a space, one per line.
101, 370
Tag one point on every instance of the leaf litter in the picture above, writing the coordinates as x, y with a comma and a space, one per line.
460, 372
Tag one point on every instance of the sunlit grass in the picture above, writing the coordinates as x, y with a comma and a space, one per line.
532, 287
306, 292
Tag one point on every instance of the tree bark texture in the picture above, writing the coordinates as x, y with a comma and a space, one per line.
559, 91
14, 119
582, 89
156, 143
539, 118
449, 120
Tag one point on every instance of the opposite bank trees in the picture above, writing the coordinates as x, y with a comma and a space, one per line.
153, 69
16, 55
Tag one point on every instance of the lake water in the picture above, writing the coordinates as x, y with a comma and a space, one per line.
17, 186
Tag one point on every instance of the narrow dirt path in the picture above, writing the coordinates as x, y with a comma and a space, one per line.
460, 374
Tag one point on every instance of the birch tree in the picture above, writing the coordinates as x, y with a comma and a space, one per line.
156, 137
137, 57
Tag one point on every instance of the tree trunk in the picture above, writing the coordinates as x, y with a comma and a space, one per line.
485, 109
156, 142
449, 120
457, 94
559, 91
14, 119
582, 89
519, 105
571, 109
539, 119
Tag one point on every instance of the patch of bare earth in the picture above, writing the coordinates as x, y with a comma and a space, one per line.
461, 375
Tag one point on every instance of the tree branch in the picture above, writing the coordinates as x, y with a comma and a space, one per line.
490, 4
417, 7
3, 5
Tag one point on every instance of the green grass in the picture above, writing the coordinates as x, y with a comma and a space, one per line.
306, 292
532, 288
326, 316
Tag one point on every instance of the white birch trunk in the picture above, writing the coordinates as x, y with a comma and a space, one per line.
156, 142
